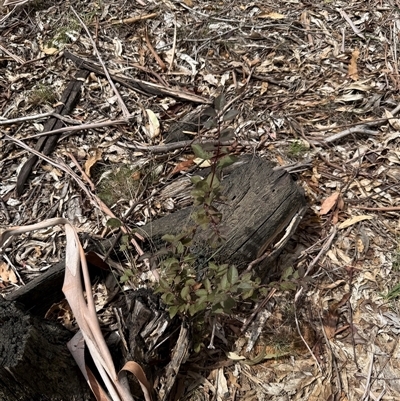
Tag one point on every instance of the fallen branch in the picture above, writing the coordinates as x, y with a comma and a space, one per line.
38, 117
144, 87
362, 128
47, 144
76, 128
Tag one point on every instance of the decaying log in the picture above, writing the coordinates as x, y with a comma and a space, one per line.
41, 292
261, 202
35, 362
46, 144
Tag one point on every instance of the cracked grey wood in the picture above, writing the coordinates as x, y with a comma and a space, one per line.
260, 202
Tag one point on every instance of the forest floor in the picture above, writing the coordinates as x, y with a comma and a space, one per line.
314, 84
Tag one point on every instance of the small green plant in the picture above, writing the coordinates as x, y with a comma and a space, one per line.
395, 291
128, 274
190, 287
123, 182
289, 280
66, 33
297, 149
42, 94
396, 260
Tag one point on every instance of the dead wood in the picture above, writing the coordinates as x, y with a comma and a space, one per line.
143, 87
260, 203
35, 362
47, 144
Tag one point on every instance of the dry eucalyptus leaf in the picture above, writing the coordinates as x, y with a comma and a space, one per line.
394, 122
154, 124
353, 220
92, 161
7, 274
329, 203
271, 15
353, 71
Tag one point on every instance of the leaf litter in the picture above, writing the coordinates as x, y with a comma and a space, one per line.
323, 74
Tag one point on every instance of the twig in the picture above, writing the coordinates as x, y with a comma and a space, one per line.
171, 63
133, 19
68, 120
361, 128
350, 22
324, 249
77, 128
84, 175
154, 53
379, 209
182, 144
5, 209
304, 340
367, 390
124, 109
257, 309
13, 268
13, 56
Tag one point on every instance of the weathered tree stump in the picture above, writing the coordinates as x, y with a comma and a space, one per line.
261, 202
35, 362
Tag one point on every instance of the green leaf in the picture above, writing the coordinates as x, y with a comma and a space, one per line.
230, 115
229, 304
227, 161
185, 293
173, 310
197, 347
246, 277
232, 274
287, 285
217, 309
163, 283
203, 301
195, 179
220, 102
180, 248
195, 308
125, 239
169, 238
247, 294
201, 292
168, 298
245, 286
212, 180
211, 123
224, 284
199, 152
209, 111
287, 273
207, 284
227, 133
114, 223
